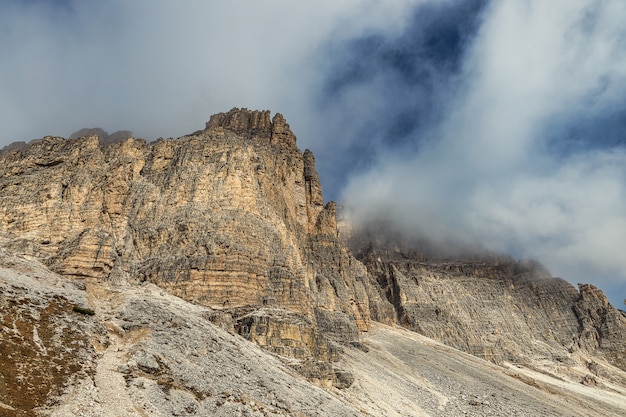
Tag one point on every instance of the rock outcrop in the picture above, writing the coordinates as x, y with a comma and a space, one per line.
231, 217
495, 307
601, 325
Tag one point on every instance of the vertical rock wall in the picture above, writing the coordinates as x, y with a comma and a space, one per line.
495, 307
231, 217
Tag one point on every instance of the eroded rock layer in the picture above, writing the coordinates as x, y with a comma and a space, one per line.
231, 217
495, 307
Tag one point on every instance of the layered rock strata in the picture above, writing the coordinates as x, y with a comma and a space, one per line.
602, 328
71, 348
495, 307
231, 217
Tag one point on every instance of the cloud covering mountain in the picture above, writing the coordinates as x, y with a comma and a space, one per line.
491, 123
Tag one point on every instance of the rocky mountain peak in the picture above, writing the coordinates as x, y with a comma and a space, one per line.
254, 123
231, 218
243, 121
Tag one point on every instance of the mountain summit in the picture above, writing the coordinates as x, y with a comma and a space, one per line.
144, 270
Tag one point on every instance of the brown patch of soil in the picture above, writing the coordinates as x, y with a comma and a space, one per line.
41, 353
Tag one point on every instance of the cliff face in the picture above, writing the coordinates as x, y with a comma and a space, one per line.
231, 217
495, 307
601, 327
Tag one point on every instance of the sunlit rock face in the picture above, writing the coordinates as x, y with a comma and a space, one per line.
231, 217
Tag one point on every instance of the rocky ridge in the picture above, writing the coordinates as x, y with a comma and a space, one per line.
103, 137
497, 308
232, 219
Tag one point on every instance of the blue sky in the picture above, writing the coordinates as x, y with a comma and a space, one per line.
485, 123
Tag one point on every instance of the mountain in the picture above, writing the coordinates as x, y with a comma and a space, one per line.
204, 275
495, 307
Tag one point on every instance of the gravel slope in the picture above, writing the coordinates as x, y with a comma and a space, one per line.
405, 373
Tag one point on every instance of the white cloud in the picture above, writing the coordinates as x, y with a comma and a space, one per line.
493, 176
162, 68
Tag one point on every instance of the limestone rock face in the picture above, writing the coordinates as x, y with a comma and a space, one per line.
602, 327
495, 307
314, 187
71, 348
231, 217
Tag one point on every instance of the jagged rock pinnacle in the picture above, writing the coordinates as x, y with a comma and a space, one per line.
281, 133
254, 123
314, 187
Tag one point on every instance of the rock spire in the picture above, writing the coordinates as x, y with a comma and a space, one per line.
254, 123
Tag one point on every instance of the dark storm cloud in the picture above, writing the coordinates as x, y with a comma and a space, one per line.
390, 89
